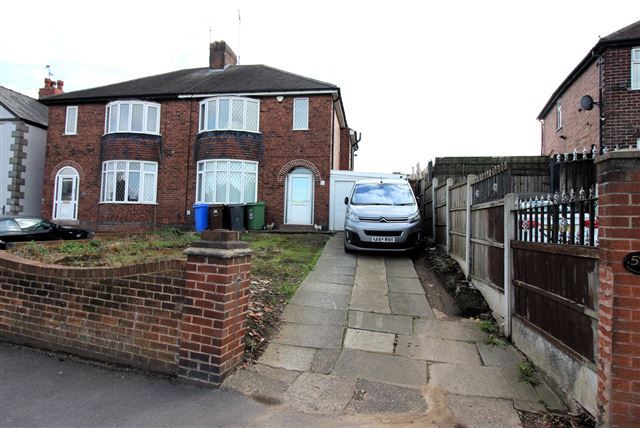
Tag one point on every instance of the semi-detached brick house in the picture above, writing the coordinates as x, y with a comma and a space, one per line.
610, 75
139, 154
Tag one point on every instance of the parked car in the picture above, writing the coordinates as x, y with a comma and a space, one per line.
21, 229
382, 215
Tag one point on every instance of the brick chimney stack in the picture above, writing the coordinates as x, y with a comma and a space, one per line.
51, 87
221, 56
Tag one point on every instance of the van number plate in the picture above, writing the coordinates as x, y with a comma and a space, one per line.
382, 239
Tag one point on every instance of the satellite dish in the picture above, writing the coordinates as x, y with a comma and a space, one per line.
586, 102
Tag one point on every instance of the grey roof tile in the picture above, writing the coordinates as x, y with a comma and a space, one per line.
24, 107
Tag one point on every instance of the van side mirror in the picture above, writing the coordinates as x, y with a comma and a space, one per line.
346, 200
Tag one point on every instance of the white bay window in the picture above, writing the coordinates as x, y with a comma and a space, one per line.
227, 181
132, 116
635, 68
229, 113
129, 182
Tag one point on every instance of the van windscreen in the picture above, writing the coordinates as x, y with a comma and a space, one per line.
382, 194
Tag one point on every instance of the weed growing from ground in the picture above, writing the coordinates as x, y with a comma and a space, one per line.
528, 373
489, 326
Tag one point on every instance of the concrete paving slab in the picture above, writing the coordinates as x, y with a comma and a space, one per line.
496, 382
371, 275
301, 314
256, 384
439, 350
310, 336
378, 397
343, 260
550, 399
410, 304
321, 394
482, 412
332, 268
381, 367
401, 272
405, 285
385, 323
326, 287
288, 357
369, 301
398, 261
334, 278
452, 330
321, 300
503, 355
372, 341
325, 360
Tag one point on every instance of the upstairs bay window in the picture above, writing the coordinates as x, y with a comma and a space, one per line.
129, 182
229, 113
226, 181
132, 116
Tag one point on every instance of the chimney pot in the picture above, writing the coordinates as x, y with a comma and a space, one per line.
221, 56
50, 88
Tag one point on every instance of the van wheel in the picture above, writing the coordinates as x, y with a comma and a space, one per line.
347, 250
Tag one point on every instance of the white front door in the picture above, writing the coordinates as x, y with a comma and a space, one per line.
299, 199
65, 204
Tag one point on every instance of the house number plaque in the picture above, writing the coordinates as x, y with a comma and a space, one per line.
632, 262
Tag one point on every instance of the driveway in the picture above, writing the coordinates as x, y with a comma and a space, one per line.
360, 338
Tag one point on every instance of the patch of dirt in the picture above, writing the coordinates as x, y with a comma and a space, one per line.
443, 305
553, 420
266, 304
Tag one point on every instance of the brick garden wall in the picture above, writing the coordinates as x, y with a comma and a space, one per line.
185, 318
618, 360
129, 315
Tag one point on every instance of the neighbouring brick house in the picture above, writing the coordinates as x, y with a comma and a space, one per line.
139, 154
23, 137
610, 75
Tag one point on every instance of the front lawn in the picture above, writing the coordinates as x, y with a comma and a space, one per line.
279, 263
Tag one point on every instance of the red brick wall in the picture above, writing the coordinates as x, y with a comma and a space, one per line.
621, 104
177, 163
579, 127
618, 362
129, 315
345, 150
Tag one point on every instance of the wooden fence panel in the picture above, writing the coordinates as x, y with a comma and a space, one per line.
487, 243
458, 221
555, 291
427, 210
441, 214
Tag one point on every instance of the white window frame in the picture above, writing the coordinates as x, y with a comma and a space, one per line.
67, 123
306, 126
635, 68
200, 173
203, 114
127, 170
116, 105
558, 115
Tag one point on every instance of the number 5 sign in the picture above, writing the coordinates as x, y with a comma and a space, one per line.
632, 262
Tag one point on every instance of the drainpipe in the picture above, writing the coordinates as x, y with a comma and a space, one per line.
600, 102
186, 185
333, 124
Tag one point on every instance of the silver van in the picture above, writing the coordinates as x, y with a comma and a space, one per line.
382, 215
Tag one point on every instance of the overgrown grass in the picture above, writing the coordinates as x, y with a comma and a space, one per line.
284, 259
489, 326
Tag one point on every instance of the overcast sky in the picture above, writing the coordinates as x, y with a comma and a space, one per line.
418, 79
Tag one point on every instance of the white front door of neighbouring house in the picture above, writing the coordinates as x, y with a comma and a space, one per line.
65, 204
299, 191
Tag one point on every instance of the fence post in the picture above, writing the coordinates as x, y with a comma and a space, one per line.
509, 229
447, 220
619, 288
215, 307
434, 184
471, 178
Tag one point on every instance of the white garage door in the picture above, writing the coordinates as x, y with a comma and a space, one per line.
341, 185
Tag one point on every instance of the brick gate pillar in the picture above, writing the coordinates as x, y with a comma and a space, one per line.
618, 360
215, 308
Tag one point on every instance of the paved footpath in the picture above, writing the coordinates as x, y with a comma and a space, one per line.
359, 338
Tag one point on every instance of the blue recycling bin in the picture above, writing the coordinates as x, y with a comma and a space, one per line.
201, 214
